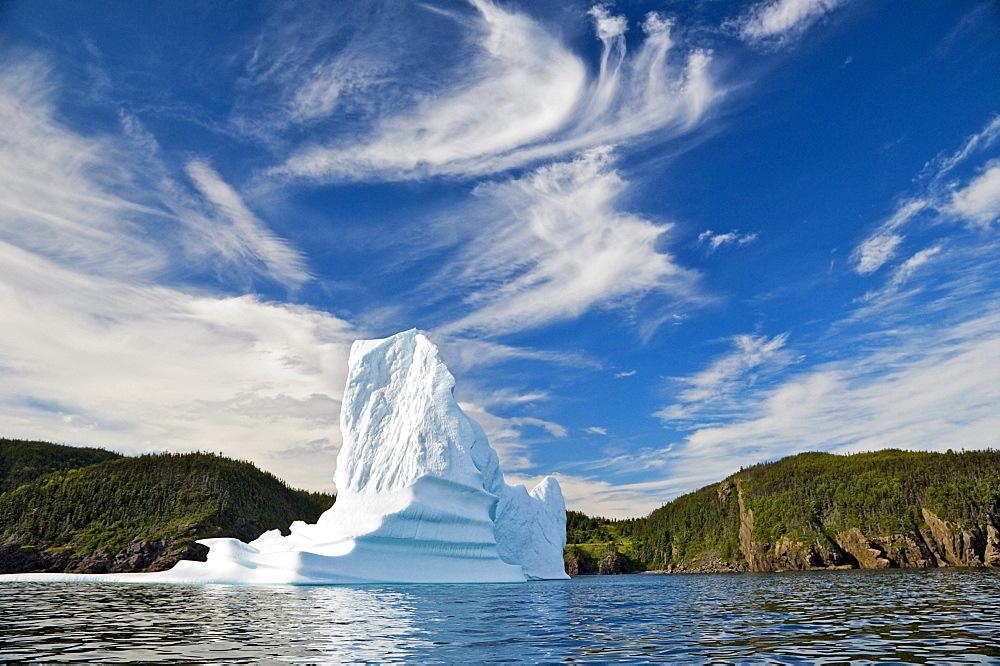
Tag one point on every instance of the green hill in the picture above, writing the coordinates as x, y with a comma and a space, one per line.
22, 462
814, 510
133, 513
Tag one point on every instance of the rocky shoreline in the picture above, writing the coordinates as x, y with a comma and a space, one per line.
138, 556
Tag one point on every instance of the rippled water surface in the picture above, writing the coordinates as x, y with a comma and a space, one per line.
899, 616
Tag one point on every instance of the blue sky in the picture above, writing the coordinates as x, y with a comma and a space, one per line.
654, 241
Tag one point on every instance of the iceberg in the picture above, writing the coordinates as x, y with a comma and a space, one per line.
421, 496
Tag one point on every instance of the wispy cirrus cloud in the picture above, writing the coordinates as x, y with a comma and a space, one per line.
711, 393
553, 245
525, 97
244, 240
512, 437
916, 363
140, 367
925, 389
107, 203
596, 496
313, 62
105, 342
942, 197
779, 21
53, 198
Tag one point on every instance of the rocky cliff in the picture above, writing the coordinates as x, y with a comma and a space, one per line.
934, 543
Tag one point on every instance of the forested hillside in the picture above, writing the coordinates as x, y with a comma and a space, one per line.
88, 510
133, 513
22, 462
814, 510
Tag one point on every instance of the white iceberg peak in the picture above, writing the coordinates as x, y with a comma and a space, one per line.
421, 497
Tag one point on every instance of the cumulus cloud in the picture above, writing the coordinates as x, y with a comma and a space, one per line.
553, 244
525, 97
780, 20
714, 241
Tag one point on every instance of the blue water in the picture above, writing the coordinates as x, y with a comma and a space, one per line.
898, 616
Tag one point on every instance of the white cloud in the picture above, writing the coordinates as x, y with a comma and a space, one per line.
627, 373
906, 270
881, 246
245, 240
709, 392
594, 430
599, 497
552, 245
96, 350
107, 204
465, 354
783, 19
901, 275
942, 197
922, 390
979, 201
510, 436
525, 97
715, 241
872, 254
138, 367
51, 194
981, 140
310, 63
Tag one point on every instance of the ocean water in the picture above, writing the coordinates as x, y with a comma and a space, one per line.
941, 616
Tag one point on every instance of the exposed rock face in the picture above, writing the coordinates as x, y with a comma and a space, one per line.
575, 565
866, 554
754, 551
614, 563
961, 547
941, 544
